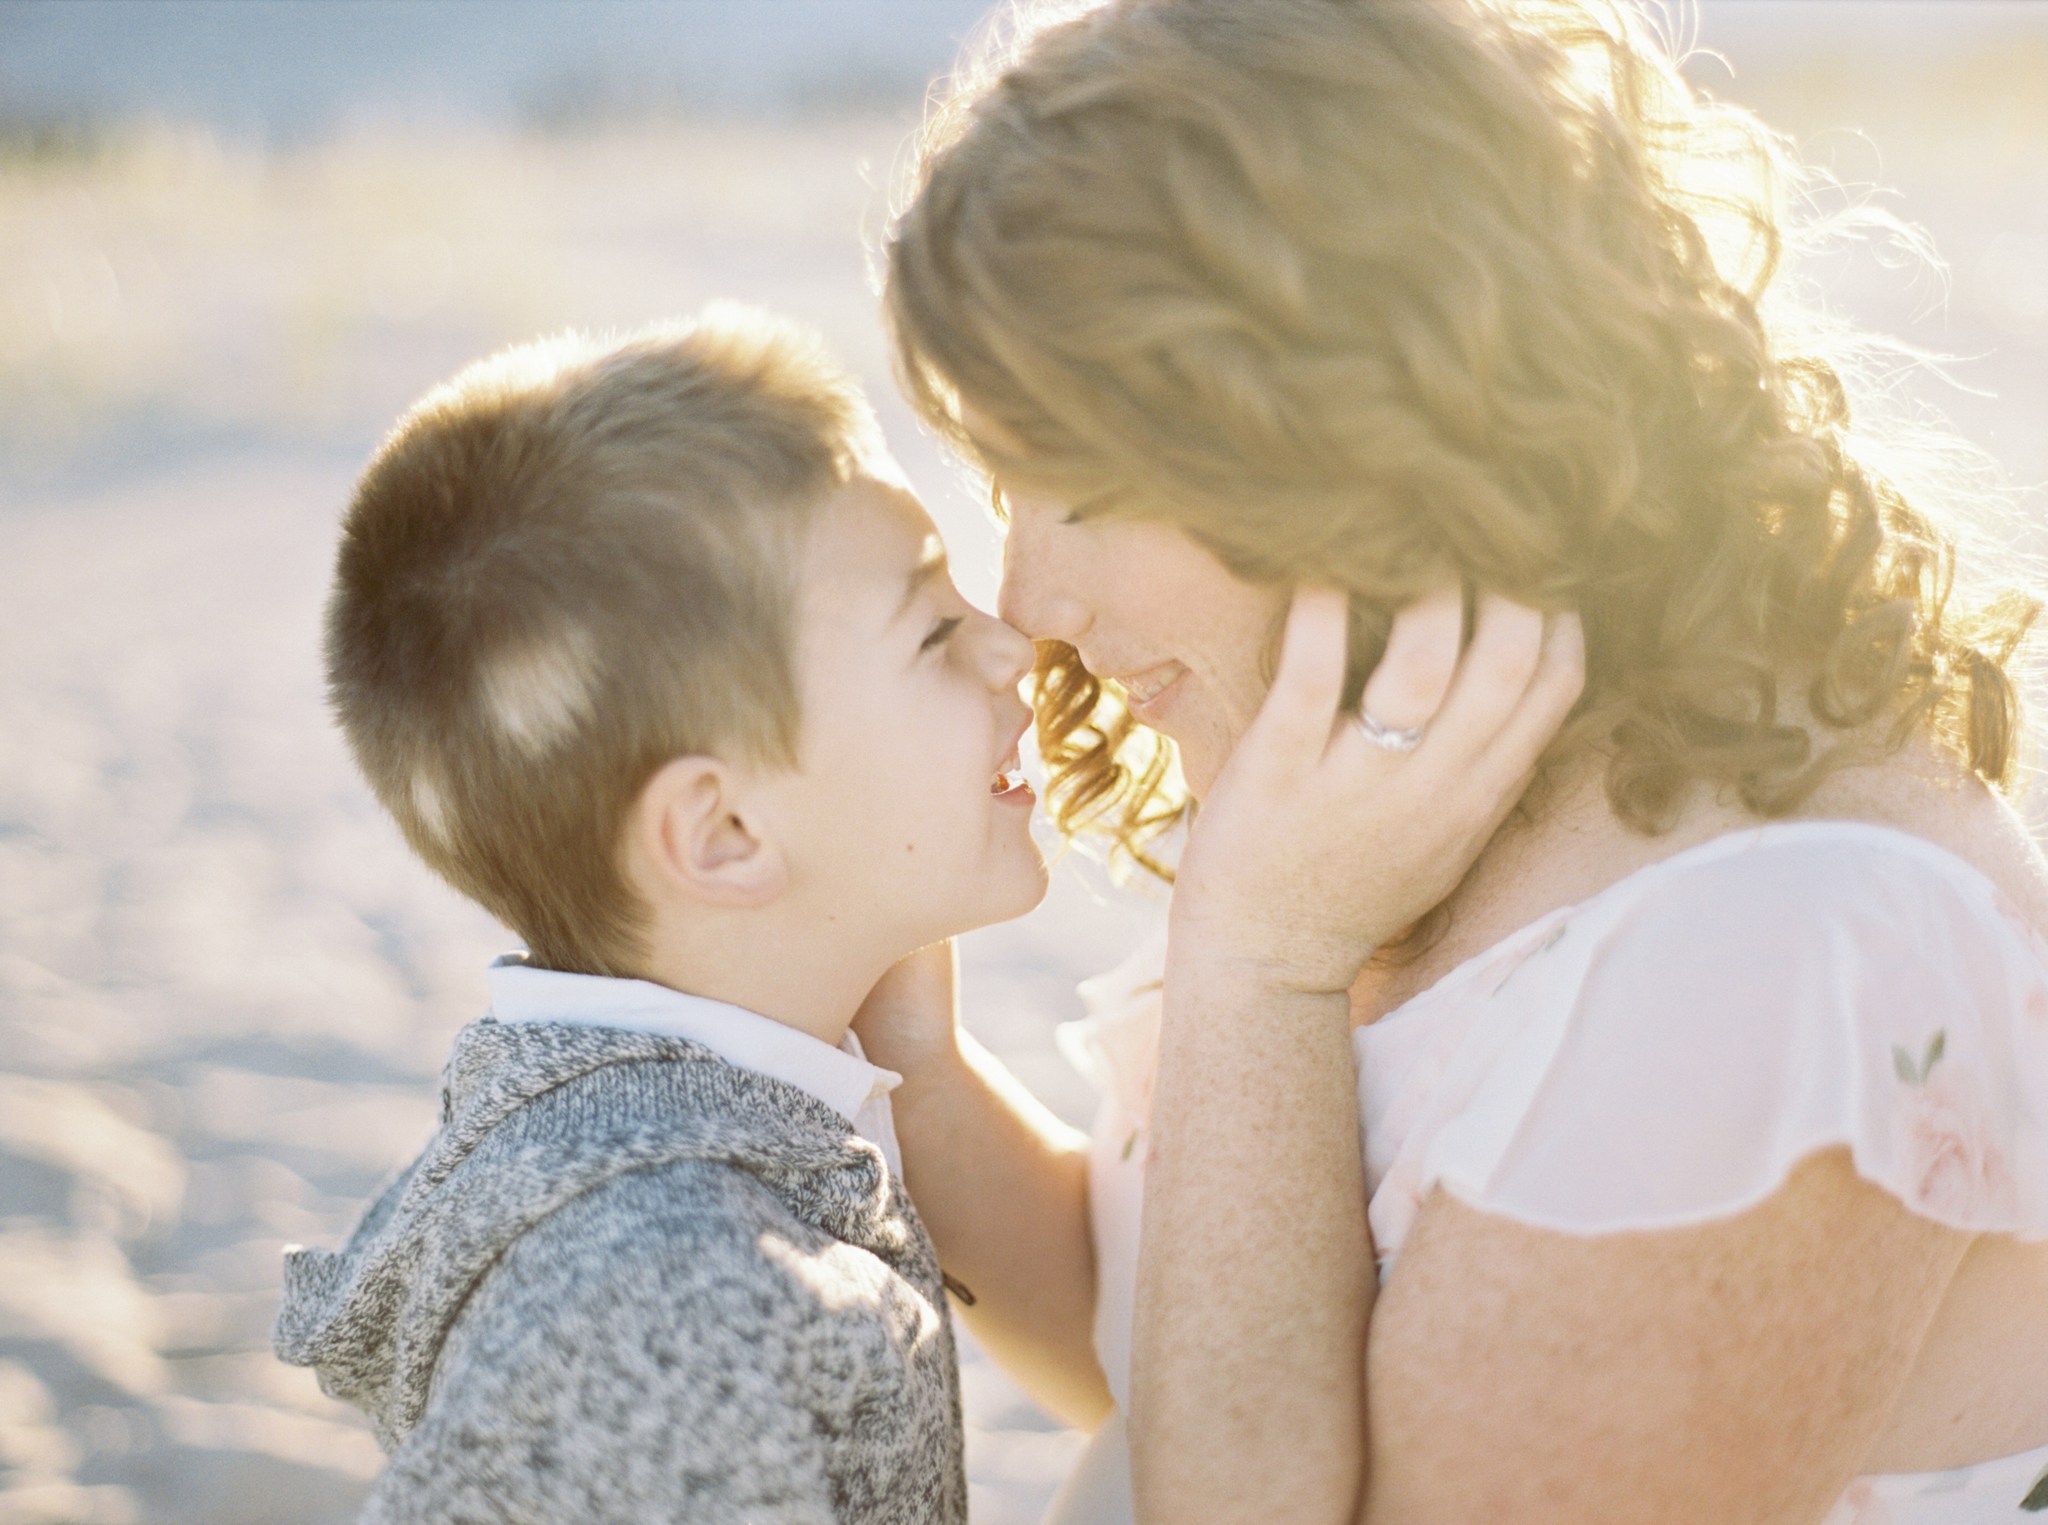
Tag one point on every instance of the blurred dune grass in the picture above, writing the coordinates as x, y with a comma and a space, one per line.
196, 288
224, 988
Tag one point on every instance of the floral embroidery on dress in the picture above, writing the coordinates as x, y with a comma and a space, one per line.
1955, 1169
1914, 1072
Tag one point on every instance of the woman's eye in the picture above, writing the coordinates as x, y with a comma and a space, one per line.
940, 633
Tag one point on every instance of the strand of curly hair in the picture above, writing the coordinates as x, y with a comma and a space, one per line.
1382, 293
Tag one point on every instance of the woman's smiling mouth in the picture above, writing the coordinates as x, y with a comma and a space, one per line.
1142, 691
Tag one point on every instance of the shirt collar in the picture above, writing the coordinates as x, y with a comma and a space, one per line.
840, 1077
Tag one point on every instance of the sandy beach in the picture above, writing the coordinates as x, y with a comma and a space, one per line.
225, 989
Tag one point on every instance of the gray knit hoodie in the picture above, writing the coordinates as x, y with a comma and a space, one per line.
628, 1281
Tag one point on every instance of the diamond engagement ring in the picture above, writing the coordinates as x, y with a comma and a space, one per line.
1387, 737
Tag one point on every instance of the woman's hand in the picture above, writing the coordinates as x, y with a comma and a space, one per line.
999, 1181
1316, 845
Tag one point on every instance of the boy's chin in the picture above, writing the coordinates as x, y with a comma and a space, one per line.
1023, 895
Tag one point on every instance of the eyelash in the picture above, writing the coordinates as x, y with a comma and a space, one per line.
941, 633
1002, 507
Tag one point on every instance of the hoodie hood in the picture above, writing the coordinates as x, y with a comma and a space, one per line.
532, 1116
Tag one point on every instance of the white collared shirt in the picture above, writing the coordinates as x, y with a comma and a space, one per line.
840, 1077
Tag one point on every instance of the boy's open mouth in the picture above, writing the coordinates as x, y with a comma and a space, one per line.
1009, 782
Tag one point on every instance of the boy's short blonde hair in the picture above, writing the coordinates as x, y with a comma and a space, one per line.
566, 566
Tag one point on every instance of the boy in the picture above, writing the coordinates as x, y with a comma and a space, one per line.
648, 653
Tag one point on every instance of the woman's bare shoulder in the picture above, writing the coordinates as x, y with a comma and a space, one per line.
1577, 848
1923, 791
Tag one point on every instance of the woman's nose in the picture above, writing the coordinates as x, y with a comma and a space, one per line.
1034, 596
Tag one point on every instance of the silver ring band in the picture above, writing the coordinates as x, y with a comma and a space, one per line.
1385, 737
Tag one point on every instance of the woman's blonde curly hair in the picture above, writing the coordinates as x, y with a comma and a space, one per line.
1376, 292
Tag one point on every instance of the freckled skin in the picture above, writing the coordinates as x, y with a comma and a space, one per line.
1131, 595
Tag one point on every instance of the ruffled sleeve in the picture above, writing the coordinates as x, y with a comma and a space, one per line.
1116, 1047
1667, 1055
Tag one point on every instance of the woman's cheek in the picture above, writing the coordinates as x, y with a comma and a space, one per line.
1199, 767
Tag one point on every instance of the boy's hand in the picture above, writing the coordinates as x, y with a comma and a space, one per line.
1315, 845
907, 1021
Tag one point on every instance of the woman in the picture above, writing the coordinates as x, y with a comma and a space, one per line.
1706, 1118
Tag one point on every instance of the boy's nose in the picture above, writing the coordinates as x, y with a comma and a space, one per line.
1006, 654
1011, 656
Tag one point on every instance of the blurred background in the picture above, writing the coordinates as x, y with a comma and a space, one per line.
235, 239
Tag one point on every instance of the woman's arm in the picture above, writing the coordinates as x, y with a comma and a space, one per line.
1735, 1373
1255, 1272
1001, 1184
1738, 1371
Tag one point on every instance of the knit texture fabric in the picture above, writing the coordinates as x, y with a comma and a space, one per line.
627, 1281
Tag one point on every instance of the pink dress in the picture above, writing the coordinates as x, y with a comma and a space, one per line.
1663, 1054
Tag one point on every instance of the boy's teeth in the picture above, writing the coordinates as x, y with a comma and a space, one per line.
1005, 781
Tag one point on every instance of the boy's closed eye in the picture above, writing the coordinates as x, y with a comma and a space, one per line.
940, 633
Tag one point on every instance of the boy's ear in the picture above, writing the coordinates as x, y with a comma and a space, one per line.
693, 832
